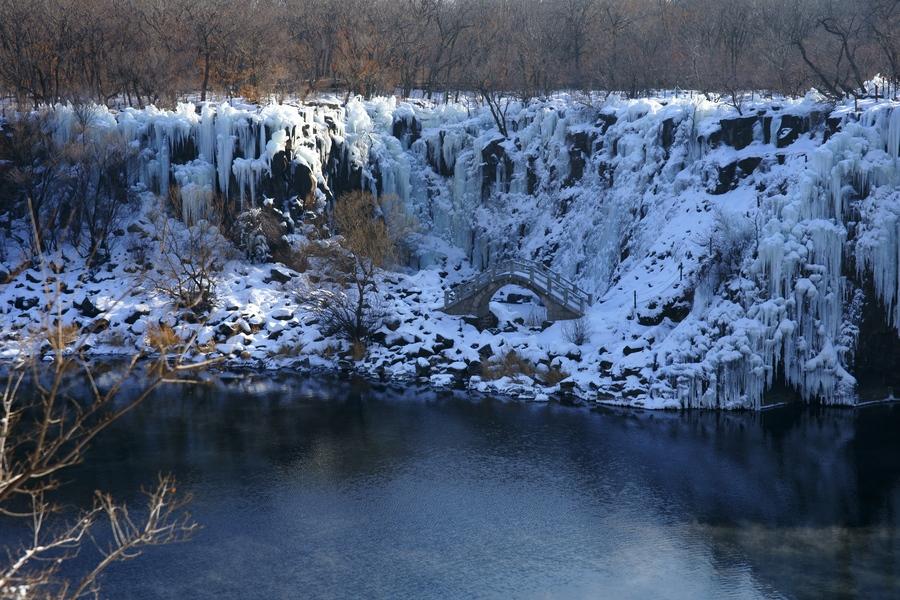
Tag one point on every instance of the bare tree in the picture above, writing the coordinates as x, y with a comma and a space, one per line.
158, 50
370, 234
832, 44
50, 413
98, 190
46, 425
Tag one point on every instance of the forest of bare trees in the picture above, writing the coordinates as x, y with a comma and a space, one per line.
156, 51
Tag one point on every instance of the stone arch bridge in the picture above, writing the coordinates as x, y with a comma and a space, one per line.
563, 299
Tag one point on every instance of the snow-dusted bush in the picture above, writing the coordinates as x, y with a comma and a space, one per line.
729, 243
345, 314
577, 331
252, 237
190, 260
260, 233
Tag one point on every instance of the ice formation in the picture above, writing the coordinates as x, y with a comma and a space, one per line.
728, 251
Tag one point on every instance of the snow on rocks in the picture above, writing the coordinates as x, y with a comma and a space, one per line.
725, 252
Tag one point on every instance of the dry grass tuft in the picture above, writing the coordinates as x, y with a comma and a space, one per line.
554, 375
162, 338
61, 337
510, 365
289, 350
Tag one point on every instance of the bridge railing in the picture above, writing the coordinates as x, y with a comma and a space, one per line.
542, 279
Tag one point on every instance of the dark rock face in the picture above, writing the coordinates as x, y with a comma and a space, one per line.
496, 167
604, 122
580, 146
133, 317
23, 303
793, 126
303, 184
877, 361
832, 126
531, 179
279, 276
737, 132
278, 184
435, 156
629, 350
184, 151
343, 175
407, 130
676, 310
605, 171
790, 130
732, 173
667, 134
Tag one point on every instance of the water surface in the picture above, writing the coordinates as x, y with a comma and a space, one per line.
310, 488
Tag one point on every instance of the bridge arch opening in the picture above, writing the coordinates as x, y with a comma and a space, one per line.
514, 304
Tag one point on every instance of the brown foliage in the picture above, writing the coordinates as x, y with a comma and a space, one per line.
510, 365
162, 338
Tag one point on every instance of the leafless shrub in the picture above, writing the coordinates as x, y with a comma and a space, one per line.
342, 314
577, 331
98, 190
189, 262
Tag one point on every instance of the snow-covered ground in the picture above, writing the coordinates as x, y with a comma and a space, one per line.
726, 251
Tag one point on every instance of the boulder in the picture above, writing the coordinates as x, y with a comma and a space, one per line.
87, 308
25, 303
96, 326
278, 276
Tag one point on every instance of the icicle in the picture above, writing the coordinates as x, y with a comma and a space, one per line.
224, 146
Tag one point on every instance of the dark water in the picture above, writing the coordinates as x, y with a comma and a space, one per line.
326, 489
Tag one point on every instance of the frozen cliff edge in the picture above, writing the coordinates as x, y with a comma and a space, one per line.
737, 258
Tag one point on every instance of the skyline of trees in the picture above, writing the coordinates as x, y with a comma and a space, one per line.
138, 52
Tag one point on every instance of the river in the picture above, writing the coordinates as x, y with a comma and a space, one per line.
322, 488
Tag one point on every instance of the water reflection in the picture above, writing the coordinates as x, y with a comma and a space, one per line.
323, 488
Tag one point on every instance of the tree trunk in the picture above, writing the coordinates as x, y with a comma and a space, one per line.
205, 85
